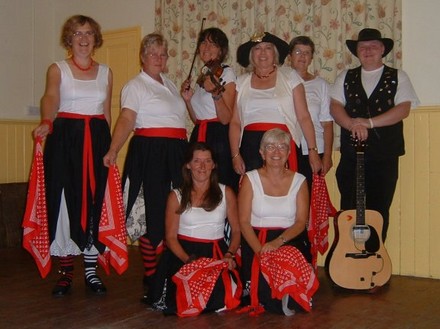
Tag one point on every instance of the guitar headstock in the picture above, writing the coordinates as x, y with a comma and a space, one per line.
358, 144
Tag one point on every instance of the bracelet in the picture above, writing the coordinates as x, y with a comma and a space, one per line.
49, 123
231, 253
217, 97
235, 155
371, 123
283, 239
313, 149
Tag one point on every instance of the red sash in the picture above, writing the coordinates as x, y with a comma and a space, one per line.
178, 133
87, 160
203, 126
292, 160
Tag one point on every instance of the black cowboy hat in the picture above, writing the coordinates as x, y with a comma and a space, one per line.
368, 35
244, 49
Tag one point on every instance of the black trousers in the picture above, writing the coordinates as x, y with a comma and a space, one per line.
380, 184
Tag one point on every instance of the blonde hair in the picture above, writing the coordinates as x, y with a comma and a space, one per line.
152, 39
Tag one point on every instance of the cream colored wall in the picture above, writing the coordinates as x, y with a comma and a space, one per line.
29, 32
29, 35
421, 47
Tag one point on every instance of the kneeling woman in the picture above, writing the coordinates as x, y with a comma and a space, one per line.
196, 249
273, 211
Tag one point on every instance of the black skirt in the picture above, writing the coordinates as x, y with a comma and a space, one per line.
63, 163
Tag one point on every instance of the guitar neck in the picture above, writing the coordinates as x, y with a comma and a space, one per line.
360, 189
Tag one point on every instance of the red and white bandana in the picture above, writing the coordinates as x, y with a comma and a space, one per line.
288, 273
112, 230
35, 222
320, 209
195, 282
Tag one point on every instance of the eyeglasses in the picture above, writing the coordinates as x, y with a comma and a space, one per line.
79, 34
273, 147
157, 56
300, 52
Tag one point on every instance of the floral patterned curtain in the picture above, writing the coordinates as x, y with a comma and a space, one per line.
327, 22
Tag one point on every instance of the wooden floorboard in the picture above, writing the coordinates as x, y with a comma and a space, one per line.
26, 302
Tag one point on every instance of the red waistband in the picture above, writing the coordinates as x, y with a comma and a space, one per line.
190, 238
179, 133
68, 115
264, 126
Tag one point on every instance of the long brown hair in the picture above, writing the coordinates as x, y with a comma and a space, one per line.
213, 195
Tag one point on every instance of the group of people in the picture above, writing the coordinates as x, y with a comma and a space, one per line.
228, 208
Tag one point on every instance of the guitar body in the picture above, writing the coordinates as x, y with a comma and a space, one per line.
355, 264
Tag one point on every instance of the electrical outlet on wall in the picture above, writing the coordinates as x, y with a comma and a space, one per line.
33, 110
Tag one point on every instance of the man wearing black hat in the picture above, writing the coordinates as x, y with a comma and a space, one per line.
369, 103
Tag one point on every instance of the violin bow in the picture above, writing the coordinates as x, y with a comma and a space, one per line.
195, 53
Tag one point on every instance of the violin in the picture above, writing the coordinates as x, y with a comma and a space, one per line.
212, 70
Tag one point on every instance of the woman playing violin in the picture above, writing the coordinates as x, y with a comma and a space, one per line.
211, 101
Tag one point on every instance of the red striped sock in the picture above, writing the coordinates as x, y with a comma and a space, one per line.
148, 254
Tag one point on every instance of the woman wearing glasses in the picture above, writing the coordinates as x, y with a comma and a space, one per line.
152, 107
273, 211
301, 50
75, 118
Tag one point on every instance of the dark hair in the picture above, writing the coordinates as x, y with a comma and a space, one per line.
301, 40
70, 26
218, 37
213, 196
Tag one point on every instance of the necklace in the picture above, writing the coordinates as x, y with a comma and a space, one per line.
84, 70
265, 76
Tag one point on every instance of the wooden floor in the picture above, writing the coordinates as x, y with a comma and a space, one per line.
26, 302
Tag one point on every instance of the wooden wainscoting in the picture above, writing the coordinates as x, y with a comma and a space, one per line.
413, 237
16, 145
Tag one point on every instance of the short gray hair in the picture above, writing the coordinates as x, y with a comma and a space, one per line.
275, 135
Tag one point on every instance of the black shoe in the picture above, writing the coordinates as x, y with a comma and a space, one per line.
95, 284
145, 300
62, 287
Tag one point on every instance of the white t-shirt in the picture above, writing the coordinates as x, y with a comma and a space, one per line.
201, 224
273, 211
156, 105
202, 102
318, 103
405, 91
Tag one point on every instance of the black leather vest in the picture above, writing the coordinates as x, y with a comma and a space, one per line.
383, 142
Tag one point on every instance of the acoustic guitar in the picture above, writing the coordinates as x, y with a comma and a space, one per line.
357, 258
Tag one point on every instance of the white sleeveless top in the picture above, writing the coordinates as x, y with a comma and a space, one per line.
202, 102
85, 97
198, 223
273, 211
